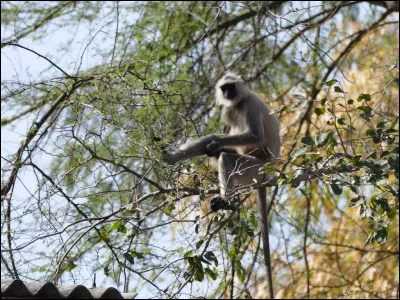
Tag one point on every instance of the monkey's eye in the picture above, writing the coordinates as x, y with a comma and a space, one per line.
229, 90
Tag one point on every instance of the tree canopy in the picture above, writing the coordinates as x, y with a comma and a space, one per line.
93, 91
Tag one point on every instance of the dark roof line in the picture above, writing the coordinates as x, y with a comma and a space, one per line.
15, 288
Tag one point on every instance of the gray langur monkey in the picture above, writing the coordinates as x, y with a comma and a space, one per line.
252, 142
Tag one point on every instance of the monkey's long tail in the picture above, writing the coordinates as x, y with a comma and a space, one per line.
262, 207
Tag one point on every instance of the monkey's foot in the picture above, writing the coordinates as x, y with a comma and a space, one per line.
218, 203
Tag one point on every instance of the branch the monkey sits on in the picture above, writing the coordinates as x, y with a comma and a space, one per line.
252, 142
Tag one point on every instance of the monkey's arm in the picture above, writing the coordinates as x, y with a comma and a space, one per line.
240, 139
189, 150
217, 146
211, 152
253, 135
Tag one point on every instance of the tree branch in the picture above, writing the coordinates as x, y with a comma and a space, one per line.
17, 164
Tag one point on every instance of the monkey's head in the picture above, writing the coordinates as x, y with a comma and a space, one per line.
230, 90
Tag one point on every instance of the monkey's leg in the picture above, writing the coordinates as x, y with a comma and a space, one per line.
190, 150
234, 169
243, 169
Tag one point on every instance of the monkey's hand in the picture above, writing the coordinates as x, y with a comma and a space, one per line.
169, 158
213, 148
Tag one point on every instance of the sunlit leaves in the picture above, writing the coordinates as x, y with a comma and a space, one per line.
196, 270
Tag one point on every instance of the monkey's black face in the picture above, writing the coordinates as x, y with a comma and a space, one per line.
229, 91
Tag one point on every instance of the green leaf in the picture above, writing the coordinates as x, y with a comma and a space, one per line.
123, 229
211, 274
107, 270
137, 254
281, 181
356, 202
268, 169
330, 82
366, 97
168, 210
322, 138
337, 190
247, 229
104, 235
117, 224
232, 253
191, 261
308, 140
210, 256
70, 267
199, 243
339, 90
368, 112
382, 124
199, 275
299, 152
129, 257
240, 271
280, 109
354, 189
319, 111
370, 132
381, 236
391, 130
381, 202
188, 254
